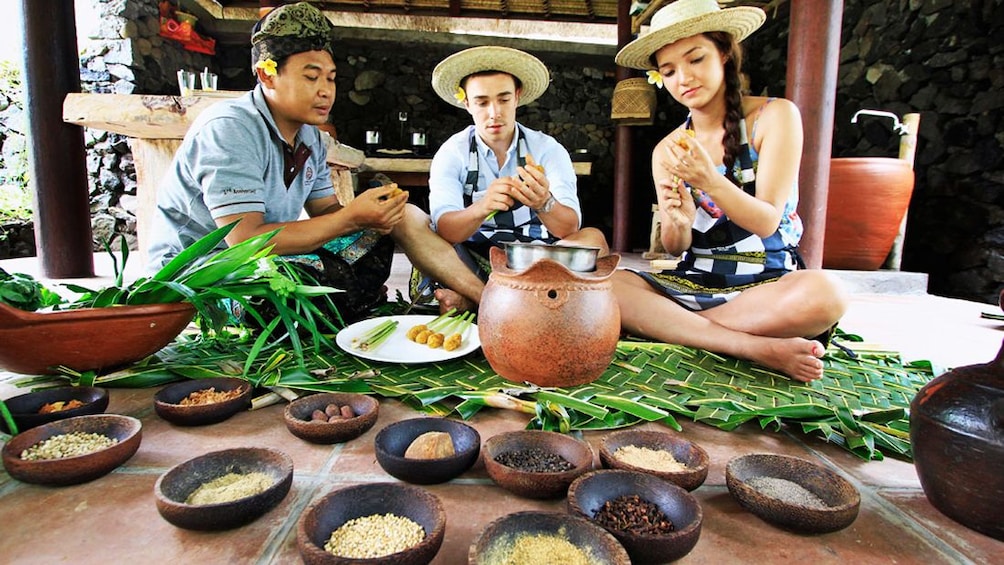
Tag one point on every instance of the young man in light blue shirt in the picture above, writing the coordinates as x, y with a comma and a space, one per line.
260, 159
498, 181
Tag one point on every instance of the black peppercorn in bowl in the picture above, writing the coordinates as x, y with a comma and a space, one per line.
535, 463
345, 526
655, 520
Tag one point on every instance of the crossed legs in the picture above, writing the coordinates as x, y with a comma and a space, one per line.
432, 255
765, 324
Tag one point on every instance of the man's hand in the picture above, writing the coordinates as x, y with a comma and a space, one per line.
379, 208
500, 196
533, 186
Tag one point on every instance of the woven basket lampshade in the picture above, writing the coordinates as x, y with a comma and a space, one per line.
633, 102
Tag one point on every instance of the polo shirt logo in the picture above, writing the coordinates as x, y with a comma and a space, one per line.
310, 173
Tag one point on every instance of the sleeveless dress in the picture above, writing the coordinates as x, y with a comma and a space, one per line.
724, 259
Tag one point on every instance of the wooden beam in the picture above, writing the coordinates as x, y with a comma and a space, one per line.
143, 116
646, 14
813, 61
57, 162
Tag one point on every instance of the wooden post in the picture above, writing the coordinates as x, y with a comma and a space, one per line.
813, 60
622, 148
57, 161
907, 152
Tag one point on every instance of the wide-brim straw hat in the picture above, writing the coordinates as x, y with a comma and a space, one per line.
528, 69
686, 18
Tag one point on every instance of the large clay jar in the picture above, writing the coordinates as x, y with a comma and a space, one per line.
867, 201
957, 432
548, 325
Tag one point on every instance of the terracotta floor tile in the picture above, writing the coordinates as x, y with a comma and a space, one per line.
114, 519
969, 543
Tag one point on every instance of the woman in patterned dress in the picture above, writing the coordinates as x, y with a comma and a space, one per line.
727, 203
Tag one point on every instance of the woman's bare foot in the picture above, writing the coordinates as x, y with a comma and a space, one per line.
796, 357
450, 299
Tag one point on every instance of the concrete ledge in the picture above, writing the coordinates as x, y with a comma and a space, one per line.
882, 282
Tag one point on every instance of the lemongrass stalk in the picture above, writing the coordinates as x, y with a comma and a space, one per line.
441, 320
375, 331
267, 399
375, 337
380, 339
8, 419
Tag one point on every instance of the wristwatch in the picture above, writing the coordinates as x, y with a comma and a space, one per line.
548, 204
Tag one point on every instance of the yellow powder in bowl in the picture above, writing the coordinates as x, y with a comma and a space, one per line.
230, 487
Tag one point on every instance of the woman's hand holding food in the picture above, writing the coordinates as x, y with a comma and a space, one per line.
689, 161
676, 203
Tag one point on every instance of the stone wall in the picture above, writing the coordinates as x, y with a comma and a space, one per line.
935, 57
127, 55
375, 84
938, 58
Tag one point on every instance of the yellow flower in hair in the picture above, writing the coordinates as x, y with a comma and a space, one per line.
269, 66
460, 95
655, 78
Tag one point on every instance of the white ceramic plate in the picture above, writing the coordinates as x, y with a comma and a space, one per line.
398, 348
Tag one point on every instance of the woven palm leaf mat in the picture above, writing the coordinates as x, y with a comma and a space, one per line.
861, 403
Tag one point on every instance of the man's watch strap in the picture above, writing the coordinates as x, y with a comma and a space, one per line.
548, 204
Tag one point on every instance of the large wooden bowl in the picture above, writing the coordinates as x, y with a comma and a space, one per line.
88, 339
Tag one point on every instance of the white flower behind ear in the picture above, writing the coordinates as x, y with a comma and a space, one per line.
654, 77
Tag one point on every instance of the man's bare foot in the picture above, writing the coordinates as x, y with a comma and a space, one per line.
450, 299
796, 357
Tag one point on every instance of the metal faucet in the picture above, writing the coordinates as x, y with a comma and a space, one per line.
898, 126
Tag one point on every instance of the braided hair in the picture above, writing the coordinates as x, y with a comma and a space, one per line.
733, 56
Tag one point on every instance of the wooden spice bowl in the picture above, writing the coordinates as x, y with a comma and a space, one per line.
25, 408
588, 494
81, 468
842, 500
693, 456
175, 486
531, 484
167, 401
297, 417
495, 542
339, 506
392, 442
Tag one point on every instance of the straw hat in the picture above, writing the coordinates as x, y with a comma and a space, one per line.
686, 18
528, 69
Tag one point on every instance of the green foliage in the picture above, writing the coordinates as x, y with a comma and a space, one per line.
25, 293
15, 197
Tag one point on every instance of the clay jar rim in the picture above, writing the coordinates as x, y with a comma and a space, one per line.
549, 269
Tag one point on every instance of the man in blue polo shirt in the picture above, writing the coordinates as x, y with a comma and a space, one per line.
260, 159
498, 181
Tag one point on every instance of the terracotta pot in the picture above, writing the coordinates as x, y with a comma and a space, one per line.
957, 432
89, 338
868, 199
549, 325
